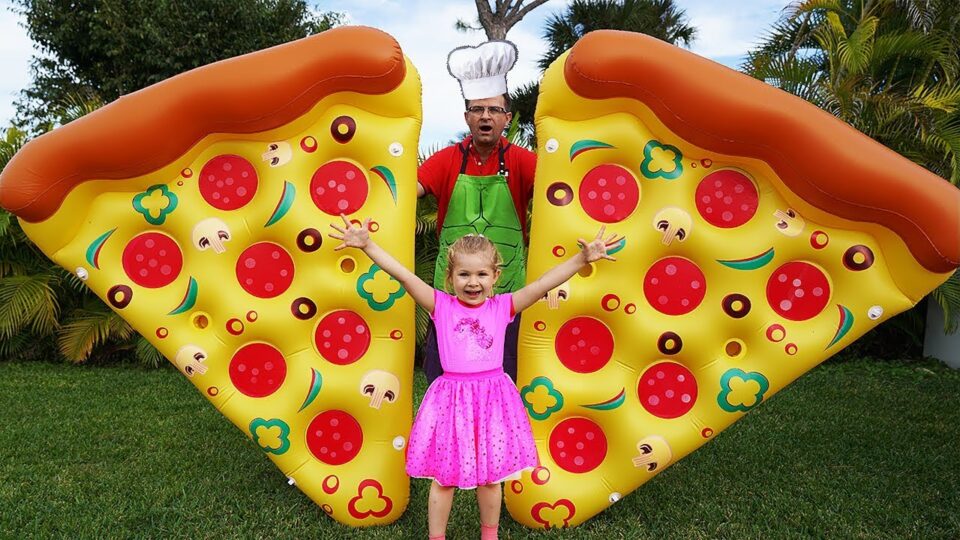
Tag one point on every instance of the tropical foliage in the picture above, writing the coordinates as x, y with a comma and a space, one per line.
661, 19
887, 67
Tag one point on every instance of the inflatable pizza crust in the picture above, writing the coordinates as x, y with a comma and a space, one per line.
752, 254
198, 209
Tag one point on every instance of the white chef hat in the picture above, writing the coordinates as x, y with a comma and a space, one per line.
482, 70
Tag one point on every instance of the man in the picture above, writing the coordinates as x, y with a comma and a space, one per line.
483, 184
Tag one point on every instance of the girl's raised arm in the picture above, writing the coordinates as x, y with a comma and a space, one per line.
589, 252
359, 237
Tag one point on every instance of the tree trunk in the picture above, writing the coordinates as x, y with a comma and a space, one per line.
498, 19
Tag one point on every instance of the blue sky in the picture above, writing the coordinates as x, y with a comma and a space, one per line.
425, 30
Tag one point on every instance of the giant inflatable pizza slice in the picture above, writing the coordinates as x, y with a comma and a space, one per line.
762, 236
197, 208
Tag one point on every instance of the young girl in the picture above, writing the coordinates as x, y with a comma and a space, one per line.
472, 429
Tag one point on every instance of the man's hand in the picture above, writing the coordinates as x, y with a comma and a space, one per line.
350, 235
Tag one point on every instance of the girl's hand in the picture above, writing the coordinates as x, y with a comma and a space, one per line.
597, 249
351, 236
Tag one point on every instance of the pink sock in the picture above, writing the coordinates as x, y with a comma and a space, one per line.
488, 532
439, 537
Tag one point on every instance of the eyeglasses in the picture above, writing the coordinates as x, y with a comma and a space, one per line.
492, 109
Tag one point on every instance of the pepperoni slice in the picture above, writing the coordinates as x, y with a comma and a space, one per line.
727, 198
342, 337
227, 182
578, 445
339, 187
152, 260
674, 286
609, 193
798, 291
334, 437
265, 270
257, 370
584, 344
667, 390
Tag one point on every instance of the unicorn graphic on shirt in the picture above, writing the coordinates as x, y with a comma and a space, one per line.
471, 332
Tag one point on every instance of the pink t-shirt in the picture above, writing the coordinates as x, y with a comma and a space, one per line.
470, 339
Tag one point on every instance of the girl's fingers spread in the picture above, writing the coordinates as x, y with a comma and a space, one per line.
603, 229
581, 242
341, 246
345, 220
608, 257
335, 236
337, 228
366, 223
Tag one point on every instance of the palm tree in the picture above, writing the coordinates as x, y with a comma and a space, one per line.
869, 65
888, 68
658, 18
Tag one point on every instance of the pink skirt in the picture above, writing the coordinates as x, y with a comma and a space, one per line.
471, 430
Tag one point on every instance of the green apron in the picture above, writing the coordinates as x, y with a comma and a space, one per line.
484, 205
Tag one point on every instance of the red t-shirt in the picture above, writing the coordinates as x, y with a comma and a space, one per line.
438, 174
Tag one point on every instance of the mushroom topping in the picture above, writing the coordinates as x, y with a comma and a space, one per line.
380, 386
674, 223
211, 233
789, 222
277, 154
190, 359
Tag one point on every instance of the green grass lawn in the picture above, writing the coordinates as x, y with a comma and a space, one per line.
851, 450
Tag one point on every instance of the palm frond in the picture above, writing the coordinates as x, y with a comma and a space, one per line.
86, 328
857, 49
77, 105
146, 353
912, 46
524, 100
16, 345
799, 76
11, 142
424, 154
797, 8
947, 296
920, 13
6, 218
940, 97
28, 301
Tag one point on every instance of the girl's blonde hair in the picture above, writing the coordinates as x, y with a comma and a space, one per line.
471, 244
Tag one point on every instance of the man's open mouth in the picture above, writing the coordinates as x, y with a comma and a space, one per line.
486, 129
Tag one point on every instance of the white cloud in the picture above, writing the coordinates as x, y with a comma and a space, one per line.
730, 29
15, 51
